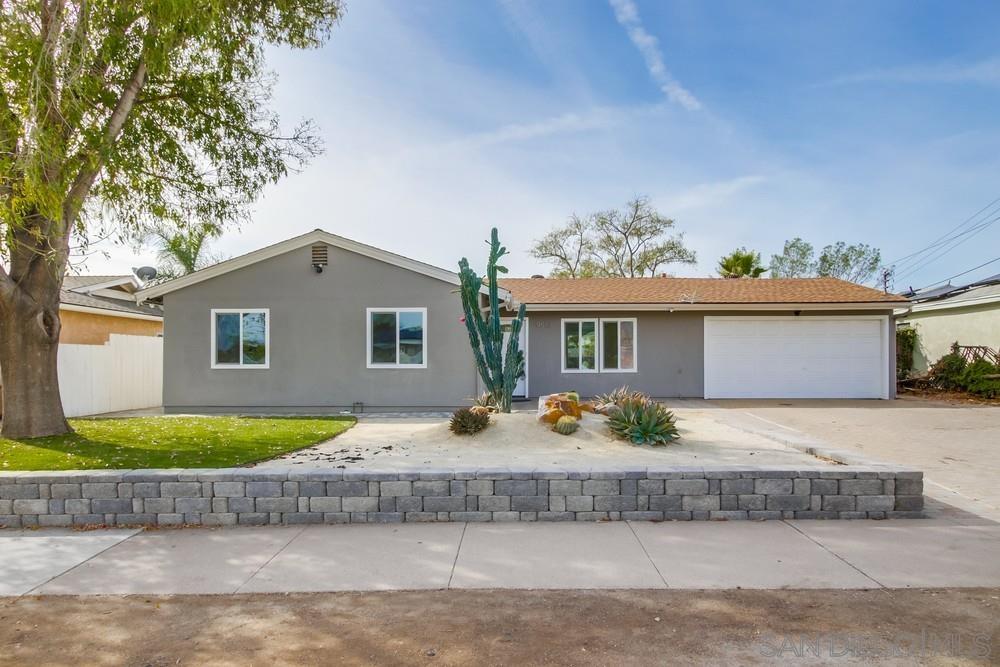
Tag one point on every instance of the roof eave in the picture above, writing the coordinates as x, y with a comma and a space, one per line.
864, 305
117, 282
956, 303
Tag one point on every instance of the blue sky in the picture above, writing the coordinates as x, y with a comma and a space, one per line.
748, 123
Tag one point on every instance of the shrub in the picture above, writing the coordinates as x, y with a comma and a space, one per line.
643, 421
975, 378
467, 422
947, 371
906, 344
566, 425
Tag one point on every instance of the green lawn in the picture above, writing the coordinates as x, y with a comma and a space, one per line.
169, 442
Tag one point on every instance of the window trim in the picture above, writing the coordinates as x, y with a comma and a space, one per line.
562, 344
635, 344
368, 338
213, 351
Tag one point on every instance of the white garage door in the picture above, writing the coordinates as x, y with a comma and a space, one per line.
796, 357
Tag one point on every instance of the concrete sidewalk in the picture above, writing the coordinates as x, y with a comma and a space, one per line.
693, 555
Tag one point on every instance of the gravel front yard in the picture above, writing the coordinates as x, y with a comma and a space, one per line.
518, 439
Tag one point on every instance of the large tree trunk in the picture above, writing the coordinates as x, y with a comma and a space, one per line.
29, 344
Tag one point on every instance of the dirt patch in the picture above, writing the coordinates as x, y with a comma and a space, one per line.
931, 395
520, 439
505, 628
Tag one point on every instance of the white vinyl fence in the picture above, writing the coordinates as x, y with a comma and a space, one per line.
126, 373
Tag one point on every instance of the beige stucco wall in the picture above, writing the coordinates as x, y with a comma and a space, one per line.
93, 329
938, 329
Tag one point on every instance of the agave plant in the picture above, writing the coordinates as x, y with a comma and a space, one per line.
643, 421
486, 400
606, 403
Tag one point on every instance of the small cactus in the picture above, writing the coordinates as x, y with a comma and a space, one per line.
566, 425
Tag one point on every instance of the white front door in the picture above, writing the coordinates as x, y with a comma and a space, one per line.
796, 357
521, 388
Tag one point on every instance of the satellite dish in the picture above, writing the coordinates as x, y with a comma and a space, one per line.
145, 273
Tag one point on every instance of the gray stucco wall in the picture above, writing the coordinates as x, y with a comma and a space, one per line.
317, 338
670, 360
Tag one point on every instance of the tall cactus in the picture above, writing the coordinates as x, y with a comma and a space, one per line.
500, 369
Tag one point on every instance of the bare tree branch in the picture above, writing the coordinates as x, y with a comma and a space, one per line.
631, 242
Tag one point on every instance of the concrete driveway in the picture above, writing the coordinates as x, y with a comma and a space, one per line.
957, 446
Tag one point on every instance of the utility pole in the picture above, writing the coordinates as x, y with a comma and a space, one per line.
887, 279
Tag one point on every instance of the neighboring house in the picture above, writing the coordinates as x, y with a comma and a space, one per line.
91, 308
968, 315
323, 321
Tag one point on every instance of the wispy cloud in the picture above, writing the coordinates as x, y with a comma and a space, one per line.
595, 118
627, 15
984, 72
711, 194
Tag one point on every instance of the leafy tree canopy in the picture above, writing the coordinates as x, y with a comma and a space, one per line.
116, 115
797, 260
630, 242
122, 113
856, 263
741, 263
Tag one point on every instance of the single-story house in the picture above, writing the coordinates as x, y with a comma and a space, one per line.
91, 308
967, 314
323, 321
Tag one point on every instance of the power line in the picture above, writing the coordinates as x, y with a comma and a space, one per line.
958, 275
922, 258
949, 233
954, 243
951, 245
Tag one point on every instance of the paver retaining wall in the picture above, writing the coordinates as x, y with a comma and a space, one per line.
266, 495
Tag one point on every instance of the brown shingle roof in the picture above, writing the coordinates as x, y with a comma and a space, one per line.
692, 290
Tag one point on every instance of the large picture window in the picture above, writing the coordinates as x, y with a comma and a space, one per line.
618, 345
397, 338
579, 346
240, 338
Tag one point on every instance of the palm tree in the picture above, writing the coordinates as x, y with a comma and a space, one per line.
183, 251
741, 263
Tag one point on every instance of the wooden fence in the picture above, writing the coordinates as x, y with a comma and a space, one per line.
126, 373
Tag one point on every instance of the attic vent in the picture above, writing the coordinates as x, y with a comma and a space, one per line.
319, 256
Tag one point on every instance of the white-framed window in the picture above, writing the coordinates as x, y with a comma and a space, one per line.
599, 345
396, 337
241, 338
618, 345
579, 345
